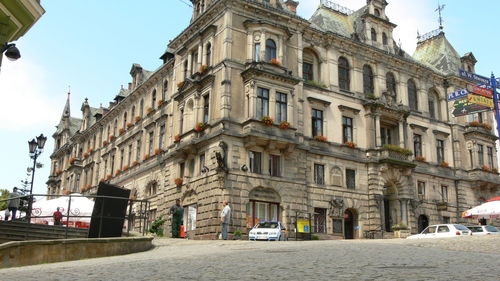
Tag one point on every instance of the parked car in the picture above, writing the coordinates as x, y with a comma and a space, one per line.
483, 230
442, 231
268, 231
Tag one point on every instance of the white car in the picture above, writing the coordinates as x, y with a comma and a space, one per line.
442, 231
268, 231
483, 230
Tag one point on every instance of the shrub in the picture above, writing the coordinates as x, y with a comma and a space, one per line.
314, 237
284, 125
267, 120
200, 126
314, 83
156, 226
399, 149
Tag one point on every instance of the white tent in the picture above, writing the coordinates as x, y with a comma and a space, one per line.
44, 209
488, 210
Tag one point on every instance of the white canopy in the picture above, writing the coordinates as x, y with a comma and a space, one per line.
44, 209
487, 210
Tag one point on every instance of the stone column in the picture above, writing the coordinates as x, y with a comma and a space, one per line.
378, 140
401, 133
404, 210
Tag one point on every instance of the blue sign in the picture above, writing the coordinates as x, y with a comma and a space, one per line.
458, 94
474, 77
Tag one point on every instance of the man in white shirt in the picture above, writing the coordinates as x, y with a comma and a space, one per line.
225, 217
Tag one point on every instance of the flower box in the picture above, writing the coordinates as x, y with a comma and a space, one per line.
150, 110
268, 121
398, 149
203, 68
178, 182
117, 172
158, 151
66, 192
134, 164
124, 167
121, 131
420, 158
284, 125
200, 127
479, 124
160, 102
320, 138
111, 138
180, 84
177, 138
137, 119
274, 61
444, 164
485, 168
85, 155
129, 125
145, 157
350, 144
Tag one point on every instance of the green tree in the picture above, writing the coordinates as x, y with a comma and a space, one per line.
4, 194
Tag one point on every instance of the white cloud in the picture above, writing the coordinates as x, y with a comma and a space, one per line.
25, 101
410, 16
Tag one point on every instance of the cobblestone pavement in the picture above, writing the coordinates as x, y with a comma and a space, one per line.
465, 258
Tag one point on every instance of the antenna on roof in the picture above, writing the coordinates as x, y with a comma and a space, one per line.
186, 3
439, 10
418, 35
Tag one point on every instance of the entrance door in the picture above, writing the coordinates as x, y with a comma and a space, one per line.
319, 220
423, 222
348, 225
387, 215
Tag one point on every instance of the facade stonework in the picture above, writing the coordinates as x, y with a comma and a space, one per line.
285, 117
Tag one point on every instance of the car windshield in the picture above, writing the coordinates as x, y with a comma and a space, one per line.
460, 227
475, 228
267, 224
491, 228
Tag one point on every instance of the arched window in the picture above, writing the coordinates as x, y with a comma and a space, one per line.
384, 38
374, 35
153, 99
270, 50
165, 91
377, 12
344, 79
132, 114
433, 102
310, 65
125, 120
390, 83
209, 54
115, 127
141, 108
368, 87
412, 95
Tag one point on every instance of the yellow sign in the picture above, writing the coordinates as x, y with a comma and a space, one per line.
303, 226
480, 100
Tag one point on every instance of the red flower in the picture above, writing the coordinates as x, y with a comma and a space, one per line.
320, 138
178, 181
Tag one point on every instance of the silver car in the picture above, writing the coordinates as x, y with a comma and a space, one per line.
483, 230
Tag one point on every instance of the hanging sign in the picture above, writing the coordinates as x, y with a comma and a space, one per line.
480, 91
480, 100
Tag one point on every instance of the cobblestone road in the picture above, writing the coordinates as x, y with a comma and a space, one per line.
467, 258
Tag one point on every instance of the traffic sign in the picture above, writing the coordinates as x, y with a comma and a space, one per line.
458, 94
474, 77
480, 100
480, 91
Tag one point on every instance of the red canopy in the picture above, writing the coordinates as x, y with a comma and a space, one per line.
494, 199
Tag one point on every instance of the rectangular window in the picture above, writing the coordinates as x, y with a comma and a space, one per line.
480, 155
319, 174
182, 168
440, 151
275, 165
490, 157
112, 164
281, 107
129, 158
122, 158
161, 137
317, 122
417, 145
347, 129
206, 107
421, 190
202, 164
138, 151
151, 143
386, 135
262, 102
444, 193
190, 217
307, 71
350, 178
255, 162
257, 52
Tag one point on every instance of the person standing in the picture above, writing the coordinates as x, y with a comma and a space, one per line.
177, 213
225, 217
14, 202
6, 215
57, 217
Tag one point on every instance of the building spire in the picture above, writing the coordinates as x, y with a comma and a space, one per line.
66, 111
439, 10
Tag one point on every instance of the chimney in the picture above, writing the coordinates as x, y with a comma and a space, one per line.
292, 5
129, 86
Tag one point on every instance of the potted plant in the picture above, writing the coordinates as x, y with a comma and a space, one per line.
129, 125
158, 151
85, 155
124, 167
178, 182
117, 172
420, 158
268, 121
200, 126
133, 164
121, 131
320, 138
444, 164
111, 138
150, 110
160, 102
137, 119
203, 68
350, 144
145, 157
177, 138
485, 168
284, 125
274, 61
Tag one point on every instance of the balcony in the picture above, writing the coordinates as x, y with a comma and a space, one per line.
253, 127
484, 178
400, 156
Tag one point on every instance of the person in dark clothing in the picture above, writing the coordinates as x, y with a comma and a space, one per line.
177, 213
14, 202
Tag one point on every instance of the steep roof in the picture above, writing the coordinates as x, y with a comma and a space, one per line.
437, 53
341, 21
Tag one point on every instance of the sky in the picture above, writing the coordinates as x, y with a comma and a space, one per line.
88, 47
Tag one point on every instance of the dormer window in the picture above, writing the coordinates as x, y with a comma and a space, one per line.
377, 12
270, 49
384, 39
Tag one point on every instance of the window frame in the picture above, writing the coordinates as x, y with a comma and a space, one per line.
344, 74
317, 122
255, 162
347, 129
319, 174
262, 102
350, 178
271, 48
417, 144
281, 101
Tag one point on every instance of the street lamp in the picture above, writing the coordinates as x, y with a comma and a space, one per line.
11, 52
35, 149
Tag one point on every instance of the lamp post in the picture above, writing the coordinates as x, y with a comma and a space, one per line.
36, 148
10, 50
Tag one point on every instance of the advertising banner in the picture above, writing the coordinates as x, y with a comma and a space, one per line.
303, 226
480, 100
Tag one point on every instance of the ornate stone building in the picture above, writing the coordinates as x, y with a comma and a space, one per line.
285, 116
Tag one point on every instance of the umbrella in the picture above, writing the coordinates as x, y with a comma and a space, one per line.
80, 206
486, 210
494, 199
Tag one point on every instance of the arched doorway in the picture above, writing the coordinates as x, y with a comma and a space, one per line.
423, 222
349, 224
263, 205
